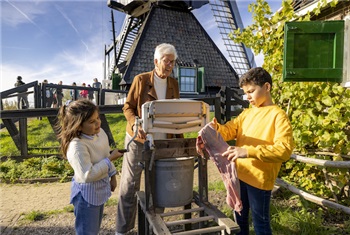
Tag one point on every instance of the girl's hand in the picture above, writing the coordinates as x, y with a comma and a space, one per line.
115, 154
113, 183
232, 153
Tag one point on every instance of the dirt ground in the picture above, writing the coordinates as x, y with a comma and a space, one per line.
19, 199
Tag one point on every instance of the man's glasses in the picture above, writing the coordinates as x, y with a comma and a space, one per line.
168, 62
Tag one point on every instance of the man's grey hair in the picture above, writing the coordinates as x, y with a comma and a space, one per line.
164, 49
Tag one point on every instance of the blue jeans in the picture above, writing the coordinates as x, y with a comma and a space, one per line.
88, 217
259, 202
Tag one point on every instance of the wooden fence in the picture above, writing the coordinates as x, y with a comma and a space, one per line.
226, 104
312, 198
222, 104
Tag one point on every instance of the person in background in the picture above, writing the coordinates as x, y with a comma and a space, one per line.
90, 93
84, 93
58, 96
49, 94
264, 140
87, 149
22, 97
98, 85
72, 92
148, 86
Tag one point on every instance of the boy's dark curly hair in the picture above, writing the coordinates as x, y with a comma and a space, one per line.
257, 76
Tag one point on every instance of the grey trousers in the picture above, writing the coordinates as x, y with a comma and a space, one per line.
129, 184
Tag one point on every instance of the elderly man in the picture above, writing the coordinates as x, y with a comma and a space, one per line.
147, 86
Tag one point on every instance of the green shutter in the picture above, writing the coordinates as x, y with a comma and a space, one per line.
116, 79
200, 79
313, 51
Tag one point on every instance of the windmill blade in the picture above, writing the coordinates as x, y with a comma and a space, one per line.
228, 19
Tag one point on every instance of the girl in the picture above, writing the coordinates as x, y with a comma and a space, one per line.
86, 147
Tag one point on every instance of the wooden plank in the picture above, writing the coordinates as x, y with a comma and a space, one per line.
177, 115
175, 148
219, 217
13, 131
105, 127
202, 231
321, 162
312, 198
189, 221
203, 178
142, 222
46, 112
53, 122
23, 136
172, 213
155, 221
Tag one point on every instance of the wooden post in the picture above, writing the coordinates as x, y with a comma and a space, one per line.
146, 155
105, 127
23, 136
228, 103
217, 108
12, 129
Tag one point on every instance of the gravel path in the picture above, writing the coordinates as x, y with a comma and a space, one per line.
17, 199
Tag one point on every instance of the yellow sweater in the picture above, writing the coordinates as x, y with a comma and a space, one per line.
266, 133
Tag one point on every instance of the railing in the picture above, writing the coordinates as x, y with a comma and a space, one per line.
224, 106
38, 92
110, 101
313, 198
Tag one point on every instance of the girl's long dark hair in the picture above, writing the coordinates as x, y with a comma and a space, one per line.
70, 118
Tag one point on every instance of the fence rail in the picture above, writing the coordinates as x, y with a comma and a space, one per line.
116, 97
227, 103
312, 198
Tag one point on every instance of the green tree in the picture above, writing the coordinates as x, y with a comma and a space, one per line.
319, 112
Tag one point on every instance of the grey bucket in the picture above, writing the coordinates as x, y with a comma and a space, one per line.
174, 181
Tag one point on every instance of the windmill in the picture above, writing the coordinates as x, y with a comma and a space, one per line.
149, 23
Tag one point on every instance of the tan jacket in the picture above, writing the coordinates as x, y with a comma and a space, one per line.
141, 91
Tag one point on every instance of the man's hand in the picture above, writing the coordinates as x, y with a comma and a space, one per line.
140, 132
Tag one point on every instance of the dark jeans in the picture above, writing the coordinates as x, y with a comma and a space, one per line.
22, 101
259, 202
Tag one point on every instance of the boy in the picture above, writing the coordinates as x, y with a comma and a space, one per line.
264, 140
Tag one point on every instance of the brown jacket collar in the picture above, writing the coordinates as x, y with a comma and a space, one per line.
141, 91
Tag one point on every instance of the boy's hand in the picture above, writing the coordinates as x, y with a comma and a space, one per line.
113, 183
214, 123
199, 141
199, 146
232, 153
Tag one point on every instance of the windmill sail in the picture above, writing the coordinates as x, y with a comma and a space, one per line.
228, 19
